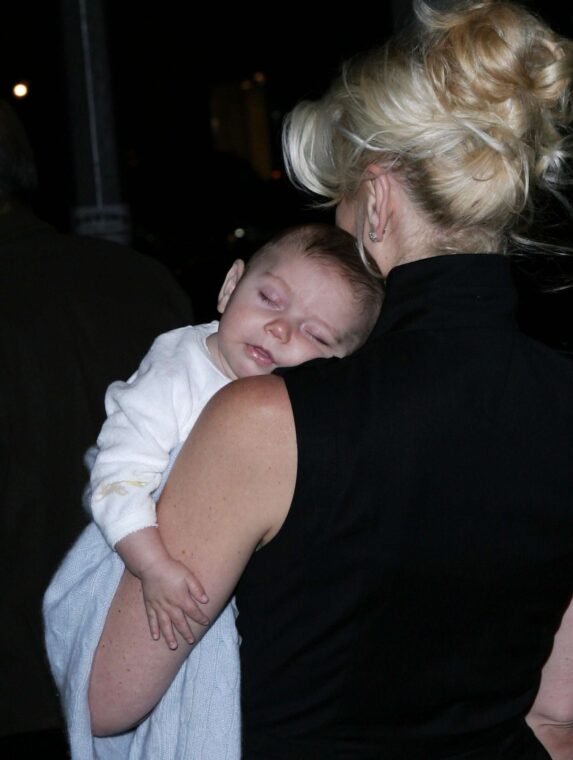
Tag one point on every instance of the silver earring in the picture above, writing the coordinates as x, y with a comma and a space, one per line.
373, 236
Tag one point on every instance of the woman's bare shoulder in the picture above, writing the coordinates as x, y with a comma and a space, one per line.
256, 407
262, 396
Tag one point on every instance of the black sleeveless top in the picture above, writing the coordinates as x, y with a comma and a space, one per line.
406, 608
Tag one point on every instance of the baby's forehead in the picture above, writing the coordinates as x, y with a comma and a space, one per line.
290, 253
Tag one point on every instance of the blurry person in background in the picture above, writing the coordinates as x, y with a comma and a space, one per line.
75, 313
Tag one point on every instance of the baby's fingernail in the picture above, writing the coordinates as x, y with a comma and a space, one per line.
155, 636
173, 645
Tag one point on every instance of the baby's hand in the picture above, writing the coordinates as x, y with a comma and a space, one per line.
170, 590
170, 593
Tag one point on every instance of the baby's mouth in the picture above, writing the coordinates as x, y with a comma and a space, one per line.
260, 355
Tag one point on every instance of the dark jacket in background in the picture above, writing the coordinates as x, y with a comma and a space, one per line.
75, 314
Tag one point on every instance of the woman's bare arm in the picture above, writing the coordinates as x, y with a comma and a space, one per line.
230, 490
551, 717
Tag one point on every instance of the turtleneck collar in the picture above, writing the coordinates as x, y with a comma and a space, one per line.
451, 291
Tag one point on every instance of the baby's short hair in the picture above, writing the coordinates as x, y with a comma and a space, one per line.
338, 249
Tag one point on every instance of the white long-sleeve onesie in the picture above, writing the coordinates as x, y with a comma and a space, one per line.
147, 417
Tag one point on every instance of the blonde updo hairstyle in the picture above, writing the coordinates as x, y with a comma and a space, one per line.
471, 109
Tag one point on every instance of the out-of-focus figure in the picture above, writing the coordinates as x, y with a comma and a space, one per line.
75, 313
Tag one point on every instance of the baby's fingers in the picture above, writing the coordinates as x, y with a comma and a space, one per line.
196, 589
192, 610
166, 627
153, 622
182, 625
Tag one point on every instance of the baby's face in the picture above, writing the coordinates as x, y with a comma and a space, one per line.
284, 311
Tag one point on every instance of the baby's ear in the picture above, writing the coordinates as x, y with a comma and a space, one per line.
231, 280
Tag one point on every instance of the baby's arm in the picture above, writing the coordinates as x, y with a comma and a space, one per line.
144, 425
169, 589
141, 429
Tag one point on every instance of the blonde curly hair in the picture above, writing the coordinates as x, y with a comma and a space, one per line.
472, 108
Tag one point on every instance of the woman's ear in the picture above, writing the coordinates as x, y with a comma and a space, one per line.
378, 202
230, 283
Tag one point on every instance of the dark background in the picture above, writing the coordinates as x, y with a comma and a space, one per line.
185, 197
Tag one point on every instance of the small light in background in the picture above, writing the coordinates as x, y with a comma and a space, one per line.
20, 90
259, 77
239, 232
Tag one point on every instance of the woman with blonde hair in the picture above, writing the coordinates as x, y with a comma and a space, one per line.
397, 525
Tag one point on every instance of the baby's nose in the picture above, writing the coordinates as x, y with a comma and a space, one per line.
280, 329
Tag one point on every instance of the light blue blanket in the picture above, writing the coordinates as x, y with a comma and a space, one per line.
199, 716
